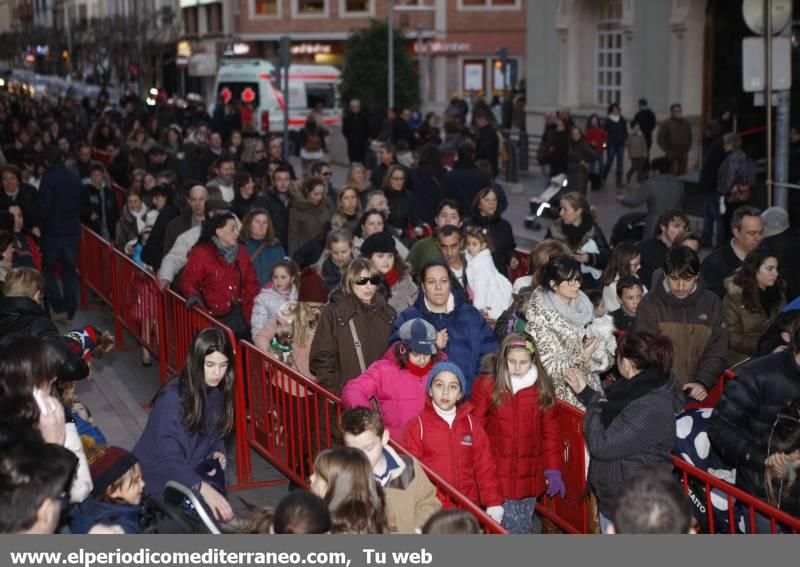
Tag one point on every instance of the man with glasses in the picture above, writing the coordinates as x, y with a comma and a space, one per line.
691, 316
748, 232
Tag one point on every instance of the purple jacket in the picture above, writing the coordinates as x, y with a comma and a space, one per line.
399, 393
167, 450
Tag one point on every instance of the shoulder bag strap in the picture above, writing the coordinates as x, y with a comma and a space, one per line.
357, 344
258, 251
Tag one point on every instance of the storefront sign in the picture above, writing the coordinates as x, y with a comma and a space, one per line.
236, 49
184, 53
443, 47
473, 76
311, 48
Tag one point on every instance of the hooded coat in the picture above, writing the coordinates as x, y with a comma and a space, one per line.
90, 512
696, 328
399, 392
461, 454
525, 439
491, 289
745, 326
469, 337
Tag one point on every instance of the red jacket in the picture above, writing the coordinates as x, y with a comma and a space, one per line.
219, 285
595, 137
461, 454
526, 441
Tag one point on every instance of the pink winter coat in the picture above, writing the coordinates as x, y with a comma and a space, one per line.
399, 393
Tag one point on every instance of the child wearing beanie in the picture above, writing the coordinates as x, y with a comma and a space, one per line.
450, 441
397, 381
117, 496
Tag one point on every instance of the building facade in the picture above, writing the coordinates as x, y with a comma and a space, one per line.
454, 42
586, 54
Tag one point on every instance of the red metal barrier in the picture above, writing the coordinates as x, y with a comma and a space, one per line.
778, 520
715, 393
292, 419
95, 266
569, 513
139, 308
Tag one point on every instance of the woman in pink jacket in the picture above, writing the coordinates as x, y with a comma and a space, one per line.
397, 381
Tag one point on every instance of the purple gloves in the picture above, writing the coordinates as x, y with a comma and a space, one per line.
555, 484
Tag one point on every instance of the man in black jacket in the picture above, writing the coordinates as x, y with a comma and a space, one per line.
487, 144
21, 314
355, 129
278, 199
745, 417
198, 195
99, 204
15, 192
748, 232
465, 180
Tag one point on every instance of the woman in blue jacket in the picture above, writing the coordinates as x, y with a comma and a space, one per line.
185, 433
462, 332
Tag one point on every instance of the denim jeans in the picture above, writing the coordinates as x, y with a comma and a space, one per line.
518, 515
61, 251
604, 523
711, 217
615, 153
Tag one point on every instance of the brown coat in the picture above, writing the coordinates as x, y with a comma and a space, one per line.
745, 327
333, 354
410, 497
306, 220
696, 328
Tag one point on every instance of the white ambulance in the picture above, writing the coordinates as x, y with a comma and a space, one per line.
256, 81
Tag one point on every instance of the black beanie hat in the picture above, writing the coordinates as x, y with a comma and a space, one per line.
378, 242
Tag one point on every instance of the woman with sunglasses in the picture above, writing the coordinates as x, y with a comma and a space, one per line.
558, 314
354, 328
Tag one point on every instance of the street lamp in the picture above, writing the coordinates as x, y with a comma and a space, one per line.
390, 18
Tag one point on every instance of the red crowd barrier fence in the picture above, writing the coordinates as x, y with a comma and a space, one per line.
292, 419
95, 266
138, 307
287, 418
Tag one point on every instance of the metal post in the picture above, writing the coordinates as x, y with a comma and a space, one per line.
422, 75
768, 91
140, 31
68, 29
390, 21
780, 194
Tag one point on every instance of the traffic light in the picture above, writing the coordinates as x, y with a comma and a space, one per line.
502, 54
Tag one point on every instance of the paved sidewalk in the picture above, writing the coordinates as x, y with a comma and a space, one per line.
119, 393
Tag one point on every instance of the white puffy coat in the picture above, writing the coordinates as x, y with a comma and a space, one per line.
492, 289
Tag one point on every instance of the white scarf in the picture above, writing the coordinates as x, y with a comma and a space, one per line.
451, 304
140, 220
526, 381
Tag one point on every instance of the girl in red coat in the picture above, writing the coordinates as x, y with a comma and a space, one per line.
517, 407
447, 438
219, 275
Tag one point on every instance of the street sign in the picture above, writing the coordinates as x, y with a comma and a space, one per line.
753, 13
753, 66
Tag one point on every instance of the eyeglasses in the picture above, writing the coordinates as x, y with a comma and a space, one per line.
363, 280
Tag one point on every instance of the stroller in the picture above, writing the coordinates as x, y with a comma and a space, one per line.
629, 228
170, 517
546, 204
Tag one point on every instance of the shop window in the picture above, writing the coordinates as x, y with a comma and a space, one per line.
357, 6
489, 4
311, 7
608, 52
190, 20
265, 7
214, 15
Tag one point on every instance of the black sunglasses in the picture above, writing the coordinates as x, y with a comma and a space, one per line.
363, 280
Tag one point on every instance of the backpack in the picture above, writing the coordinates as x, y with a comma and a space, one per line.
736, 178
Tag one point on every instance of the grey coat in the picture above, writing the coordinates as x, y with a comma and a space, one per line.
660, 193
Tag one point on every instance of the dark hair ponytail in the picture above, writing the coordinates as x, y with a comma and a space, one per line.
646, 350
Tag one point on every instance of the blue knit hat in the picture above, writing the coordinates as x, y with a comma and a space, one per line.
446, 367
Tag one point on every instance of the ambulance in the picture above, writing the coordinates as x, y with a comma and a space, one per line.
257, 83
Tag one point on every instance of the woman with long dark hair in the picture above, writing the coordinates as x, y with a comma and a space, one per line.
625, 260
631, 423
755, 296
184, 439
219, 275
486, 215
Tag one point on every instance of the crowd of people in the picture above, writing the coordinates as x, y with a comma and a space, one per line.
392, 292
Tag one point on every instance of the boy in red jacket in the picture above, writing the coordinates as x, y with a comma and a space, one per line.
450, 441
